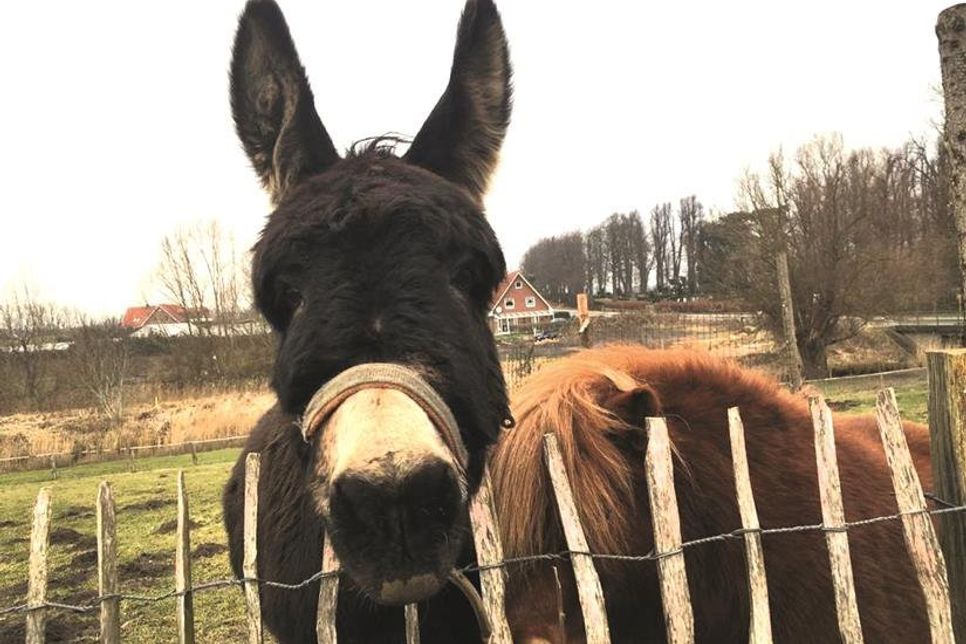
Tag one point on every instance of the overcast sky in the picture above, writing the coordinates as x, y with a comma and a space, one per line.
116, 126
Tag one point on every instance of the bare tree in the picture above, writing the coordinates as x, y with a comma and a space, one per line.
100, 358
691, 215
27, 325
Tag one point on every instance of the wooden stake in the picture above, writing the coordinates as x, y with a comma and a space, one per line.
37, 579
760, 626
182, 568
833, 520
412, 624
675, 596
328, 596
589, 591
249, 564
489, 553
107, 583
788, 320
921, 541
947, 437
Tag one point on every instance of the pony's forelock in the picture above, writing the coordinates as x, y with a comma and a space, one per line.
565, 399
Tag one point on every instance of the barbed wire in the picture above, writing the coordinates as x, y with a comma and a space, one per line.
564, 555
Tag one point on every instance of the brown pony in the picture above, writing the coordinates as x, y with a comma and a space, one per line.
595, 402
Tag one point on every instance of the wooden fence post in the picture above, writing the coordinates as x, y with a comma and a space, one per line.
921, 541
249, 563
107, 565
182, 568
788, 320
328, 595
833, 521
37, 580
489, 555
194, 453
947, 436
675, 595
589, 591
760, 626
583, 318
53, 466
412, 624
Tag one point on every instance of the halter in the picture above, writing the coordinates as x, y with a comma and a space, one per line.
384, 375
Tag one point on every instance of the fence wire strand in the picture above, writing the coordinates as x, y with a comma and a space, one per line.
94, 604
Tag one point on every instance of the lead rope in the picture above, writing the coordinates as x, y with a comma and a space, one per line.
459, 580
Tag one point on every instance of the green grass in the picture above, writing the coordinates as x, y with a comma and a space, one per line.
145, 501
913, 399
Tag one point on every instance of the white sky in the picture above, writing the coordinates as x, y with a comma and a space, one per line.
115, 123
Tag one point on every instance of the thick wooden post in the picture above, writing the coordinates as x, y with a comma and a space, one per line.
951, 32
107, 583
489, 555
182, 568
788, 320
589, 590
760, 627
675, 595
833, 520
921, 541
250, 558
37, 579
947, 436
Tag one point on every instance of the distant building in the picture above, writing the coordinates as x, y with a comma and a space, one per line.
518, 306
162, 319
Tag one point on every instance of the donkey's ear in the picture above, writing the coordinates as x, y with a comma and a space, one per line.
461, 138
272, 103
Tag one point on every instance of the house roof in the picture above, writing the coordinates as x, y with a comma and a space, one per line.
137, 316
504, 286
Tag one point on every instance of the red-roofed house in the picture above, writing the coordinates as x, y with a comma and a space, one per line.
518, 306
162, 319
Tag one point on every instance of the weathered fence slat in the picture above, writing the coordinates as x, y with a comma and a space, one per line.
328, 595
589, 591
489, 555
833, 521
675, 596
760, 627
927, 557
182, 567
107, 583
249, 562
947, 444
412, 624
37, 579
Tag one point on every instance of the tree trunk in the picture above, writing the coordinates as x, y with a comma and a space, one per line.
815, 359
951, 32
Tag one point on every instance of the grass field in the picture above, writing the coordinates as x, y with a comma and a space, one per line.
146, 520
146, 526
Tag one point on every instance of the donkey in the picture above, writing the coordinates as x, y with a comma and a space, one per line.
372, 258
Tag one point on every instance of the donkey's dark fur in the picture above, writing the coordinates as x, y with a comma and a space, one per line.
367, 258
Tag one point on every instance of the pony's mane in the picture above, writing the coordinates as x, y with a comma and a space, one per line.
563, 398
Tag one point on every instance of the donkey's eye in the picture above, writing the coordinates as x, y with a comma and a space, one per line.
463, 279
291, 299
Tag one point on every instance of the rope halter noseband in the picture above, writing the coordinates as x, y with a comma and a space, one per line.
384, 375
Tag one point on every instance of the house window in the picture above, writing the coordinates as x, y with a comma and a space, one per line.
519, 284
504, 325
531, 302
509, 304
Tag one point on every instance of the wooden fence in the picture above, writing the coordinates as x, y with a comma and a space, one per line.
947, 402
